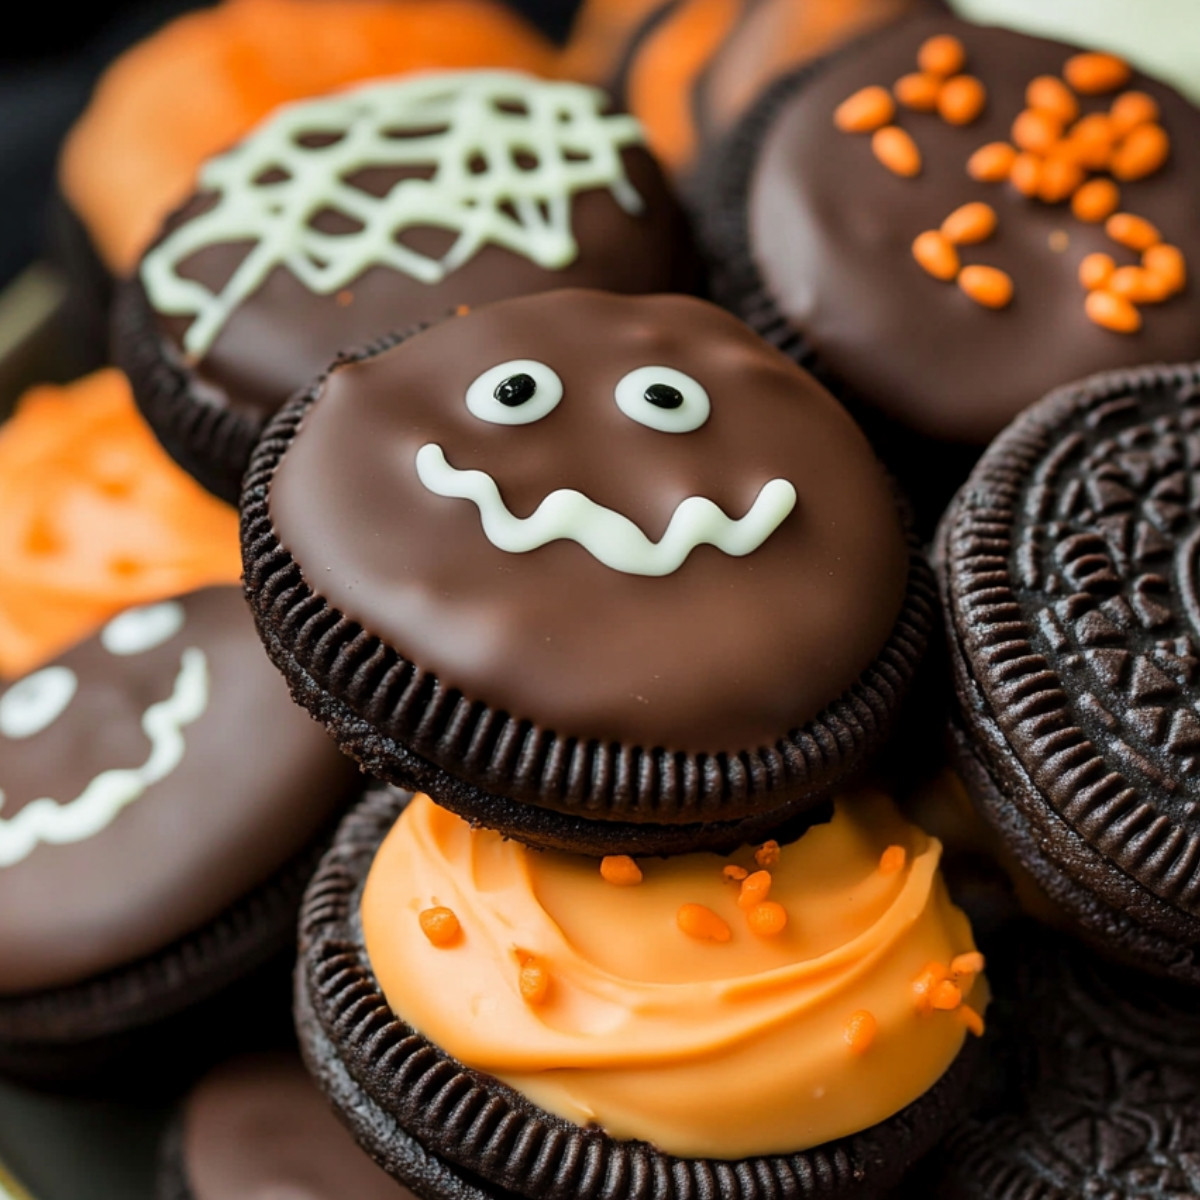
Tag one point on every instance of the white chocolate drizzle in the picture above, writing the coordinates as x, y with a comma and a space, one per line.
508, 153
607, 535
46, 821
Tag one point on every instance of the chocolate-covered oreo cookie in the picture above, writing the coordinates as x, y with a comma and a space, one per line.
163, 803
374, 209
1069, 572
587, 568
257, 1127
937, 221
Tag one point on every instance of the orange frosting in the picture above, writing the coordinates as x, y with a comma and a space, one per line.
205, 79
705, 1046
94, 518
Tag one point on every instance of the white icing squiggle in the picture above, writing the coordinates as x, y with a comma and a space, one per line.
607, 535
452, 121
45, 820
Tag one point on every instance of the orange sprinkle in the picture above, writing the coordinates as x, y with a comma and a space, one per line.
734, 873
1058, 180
988, 286
1143, 152
943, 55
971, 963
1096, 270
462, 310
755, 889
440, 926
925, 983
860, 1031
768, 854
1051, 95
946, 997
344, 298
1111, 311
1036, 130
970, 223
961, 100
620, 870
1026, 174
1093, 74
1096, 201
868, 109
918, 91
1135, 232
534, 982
1131, 109
767, 919
991, 163
1138, 286
892, 860
702, 923
1091, 141
936, 254
1168, 263
897, 151
971, 1019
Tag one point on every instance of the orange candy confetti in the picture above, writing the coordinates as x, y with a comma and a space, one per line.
1135, 232
755, 889
991, 163
971, 1019
620, 870
767, 919
943, 55
1036, 130
970, 223
1051, 95
893, 860
925, 983
971, 963
946, 996
1026, 174
897, 151
860, 1031
1095, 74
1096, 201
1131, 109
1096, 270
961, 100
1090, 141
534, 982
1143, 152
1168, 263
440, 926
918, 91
1112, 312
1138, 286
988, 286
768, 854
867, 110
702, 923
1058, 180
734, 873
936, 254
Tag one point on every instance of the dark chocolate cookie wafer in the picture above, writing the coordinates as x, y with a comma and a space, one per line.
1069, 568
1109, 1098
681, 611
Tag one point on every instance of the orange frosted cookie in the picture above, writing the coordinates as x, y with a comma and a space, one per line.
95, 518
205, 79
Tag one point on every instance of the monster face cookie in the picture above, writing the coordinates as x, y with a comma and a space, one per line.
157, 789
379, 208
611, 557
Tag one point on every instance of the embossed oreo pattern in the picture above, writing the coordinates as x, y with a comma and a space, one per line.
1070, 574
1112, 1111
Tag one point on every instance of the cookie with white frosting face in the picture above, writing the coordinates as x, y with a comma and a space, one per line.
344, 217
596, 554
152, 778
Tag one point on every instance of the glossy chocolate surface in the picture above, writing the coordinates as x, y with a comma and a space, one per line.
256, 781
721, 654
832, 230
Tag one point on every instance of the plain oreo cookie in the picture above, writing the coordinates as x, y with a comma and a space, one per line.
1069, 567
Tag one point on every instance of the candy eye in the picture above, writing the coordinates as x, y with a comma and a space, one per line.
663, 399
36, 701
140, 629
515, 393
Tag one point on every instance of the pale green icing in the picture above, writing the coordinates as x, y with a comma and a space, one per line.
449, 121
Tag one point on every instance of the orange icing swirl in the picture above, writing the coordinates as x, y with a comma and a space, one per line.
94, 518
205, 79
704, 1048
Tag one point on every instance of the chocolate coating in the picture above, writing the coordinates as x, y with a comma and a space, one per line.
831, 232
258, 1129
257, 782
725, 653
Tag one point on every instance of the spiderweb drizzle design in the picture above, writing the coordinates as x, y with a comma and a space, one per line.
507, 153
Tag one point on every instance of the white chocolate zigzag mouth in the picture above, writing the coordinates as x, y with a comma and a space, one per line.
608, 536
97, 806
